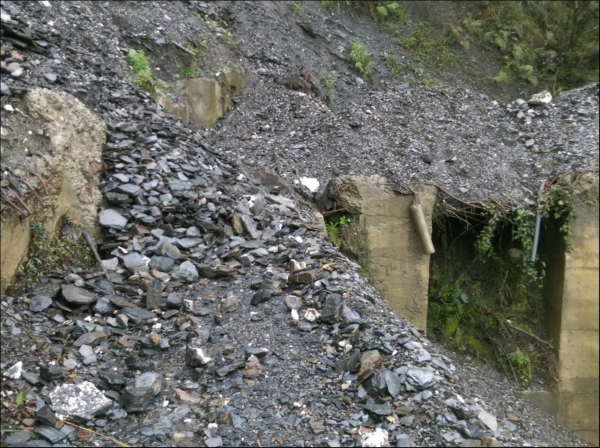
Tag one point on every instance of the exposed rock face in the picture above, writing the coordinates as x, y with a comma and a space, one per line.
67, 138
76, 137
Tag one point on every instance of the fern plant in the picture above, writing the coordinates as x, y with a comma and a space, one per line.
333, 231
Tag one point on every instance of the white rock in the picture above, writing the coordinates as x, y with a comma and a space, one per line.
376, 438
311, 315
488, 420
311, 183
543, 97
78, 401
15, 371
295, 316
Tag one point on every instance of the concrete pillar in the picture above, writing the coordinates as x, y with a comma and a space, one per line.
572, 297
396, 264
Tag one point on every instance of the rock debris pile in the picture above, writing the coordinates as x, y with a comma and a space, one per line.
221, 316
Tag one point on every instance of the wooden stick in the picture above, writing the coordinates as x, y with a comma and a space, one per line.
88, 239
541, 341
334, 211
98, 434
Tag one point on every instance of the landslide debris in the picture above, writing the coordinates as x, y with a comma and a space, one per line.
225, 317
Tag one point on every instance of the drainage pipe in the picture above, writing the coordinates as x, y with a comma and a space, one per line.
421, 225
538, 222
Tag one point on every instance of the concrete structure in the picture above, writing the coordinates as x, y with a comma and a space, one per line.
204, 100
571, 295
395, 261
384, 240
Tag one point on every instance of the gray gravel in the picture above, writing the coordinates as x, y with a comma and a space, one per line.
264, 333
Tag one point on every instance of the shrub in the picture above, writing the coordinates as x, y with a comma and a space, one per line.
327, 81
188, 71
359, 56
138, 61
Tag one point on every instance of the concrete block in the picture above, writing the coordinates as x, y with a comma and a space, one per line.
546, 401
17, 232
579, 411
590, 436
580, 300
578, 355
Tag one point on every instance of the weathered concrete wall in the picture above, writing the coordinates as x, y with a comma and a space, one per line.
396, 264
578, 343
71, 143
205, 100
572, 297
15, 241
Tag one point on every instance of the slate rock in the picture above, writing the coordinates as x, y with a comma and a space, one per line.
112, 219
134, 261
196, 354
420, 378
229, 304
331, 310
78, 296
222, 371
138, 315
261, 296
293, 302
39, 303
51, 373
79, 402
45, 416
163, 264
392, 381
92, 338
139, 395
169, 250
379, 409
49, 433
51, 77
17, 438
214, 442
104, 306
303, 277
488, 420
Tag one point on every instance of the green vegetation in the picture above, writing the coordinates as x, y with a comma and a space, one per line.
426, 49
360, 57
194, 50
394, 67
49, 254
555, 203
137, 60
327, 81
520, 365
553, 44
333, 224
391, 13
478, 307
431, 82
144, 80
296, 8
227, 39
189, 71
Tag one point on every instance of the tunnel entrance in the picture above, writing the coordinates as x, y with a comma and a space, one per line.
484, 298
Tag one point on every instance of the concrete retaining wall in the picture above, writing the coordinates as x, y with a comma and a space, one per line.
396, 265
571, 297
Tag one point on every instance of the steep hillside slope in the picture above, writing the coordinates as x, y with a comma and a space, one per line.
225, 317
